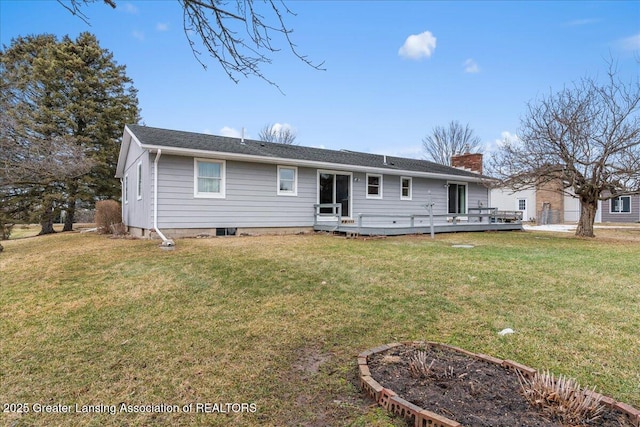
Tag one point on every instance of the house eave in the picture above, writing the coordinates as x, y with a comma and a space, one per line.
307, 163
127, 137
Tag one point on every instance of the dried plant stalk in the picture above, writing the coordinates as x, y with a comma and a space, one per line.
418, 365
562, 398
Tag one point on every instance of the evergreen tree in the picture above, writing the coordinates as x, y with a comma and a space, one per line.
69, 101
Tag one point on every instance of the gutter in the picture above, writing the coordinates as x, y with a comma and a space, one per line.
165, 242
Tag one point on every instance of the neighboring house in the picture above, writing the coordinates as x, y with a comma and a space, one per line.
186, 184
621, 209
552, 205
542, 206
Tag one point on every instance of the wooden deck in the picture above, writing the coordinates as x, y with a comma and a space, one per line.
484, 219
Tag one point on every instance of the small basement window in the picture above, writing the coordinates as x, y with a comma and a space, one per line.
226, 232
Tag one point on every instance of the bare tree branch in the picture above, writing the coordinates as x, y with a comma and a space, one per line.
236, 34
277, 133
588, 135
444, 143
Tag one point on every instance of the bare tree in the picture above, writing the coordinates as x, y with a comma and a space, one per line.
587, 135
238, 34
445, 142
281, 134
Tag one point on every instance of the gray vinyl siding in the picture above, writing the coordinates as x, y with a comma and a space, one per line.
633, 216
477, 195
137, 213
251, 198
391, 202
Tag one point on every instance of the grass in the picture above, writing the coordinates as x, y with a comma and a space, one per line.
276, 321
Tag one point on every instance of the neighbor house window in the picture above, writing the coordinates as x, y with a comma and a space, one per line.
457, 196
126, 189
209, 178
139, 184
287, 181
405, 188
621, 204
374, 186
522, 204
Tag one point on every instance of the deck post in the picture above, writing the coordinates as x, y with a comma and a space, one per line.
430, 209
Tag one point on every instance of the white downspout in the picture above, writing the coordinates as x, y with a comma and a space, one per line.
165, 241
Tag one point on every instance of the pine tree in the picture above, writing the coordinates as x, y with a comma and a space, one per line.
68, 92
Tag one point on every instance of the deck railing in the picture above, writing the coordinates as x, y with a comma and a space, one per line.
475, 215
334, 216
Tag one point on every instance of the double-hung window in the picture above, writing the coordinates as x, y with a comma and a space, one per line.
374, 186
209, 178
405, 188
621, 204
287, 181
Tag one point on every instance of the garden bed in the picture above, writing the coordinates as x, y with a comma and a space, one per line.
462, 388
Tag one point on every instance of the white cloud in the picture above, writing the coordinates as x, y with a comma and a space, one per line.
231, 132
278, 127
471, 66
506, 136
630, 43
130, 8
138, 35
418, 46
161, 26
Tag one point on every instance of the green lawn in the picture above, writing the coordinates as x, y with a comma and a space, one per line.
274, 323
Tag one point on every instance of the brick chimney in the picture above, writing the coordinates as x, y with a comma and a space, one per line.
468, 161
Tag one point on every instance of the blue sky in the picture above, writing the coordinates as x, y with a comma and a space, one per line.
394, 69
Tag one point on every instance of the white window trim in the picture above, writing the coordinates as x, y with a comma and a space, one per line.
295, 182
223, 181
410, 196
611, 211
139, 181
126, 189
373, 196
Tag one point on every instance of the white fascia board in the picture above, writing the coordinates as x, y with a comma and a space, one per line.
305, 163
127, 137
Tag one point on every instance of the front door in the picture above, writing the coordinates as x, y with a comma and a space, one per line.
335, 188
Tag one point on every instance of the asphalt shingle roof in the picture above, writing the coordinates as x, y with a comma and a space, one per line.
196, 141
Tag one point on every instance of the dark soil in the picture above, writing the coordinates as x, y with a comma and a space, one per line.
473, 392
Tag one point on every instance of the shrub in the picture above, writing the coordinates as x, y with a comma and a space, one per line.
108, 214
